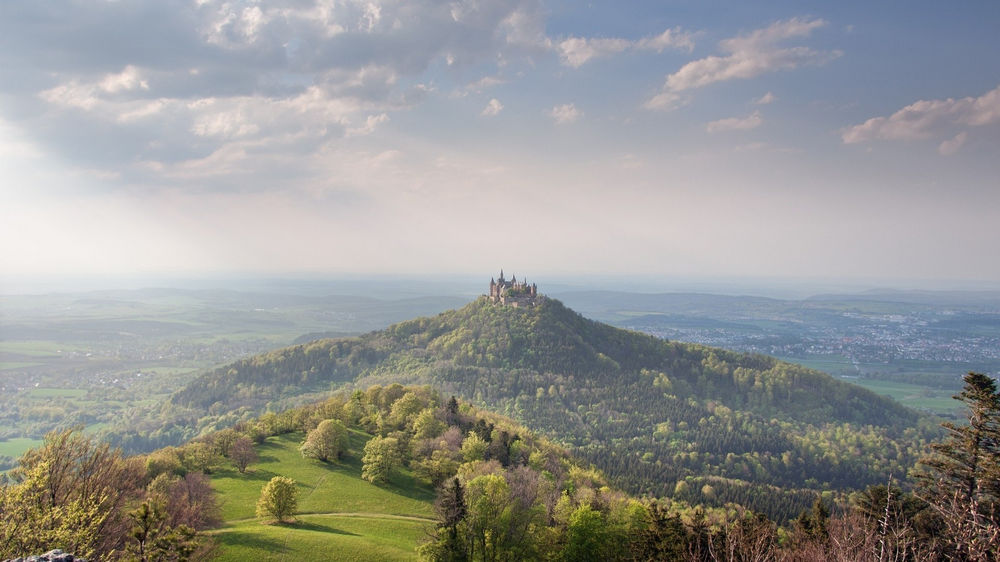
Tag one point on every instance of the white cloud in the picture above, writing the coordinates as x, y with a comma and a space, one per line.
576, 51
127, 79
765, 99
748, 56
930, 118
371, 122
483, 83
673, 38
666, 101
751, 121
951, 146
565, 114
493, 108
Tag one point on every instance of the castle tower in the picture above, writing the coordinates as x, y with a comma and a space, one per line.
512, 292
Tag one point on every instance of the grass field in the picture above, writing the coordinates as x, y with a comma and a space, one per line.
340, 516
322, 537
57, 393
4, 365
914, 396
917, 397
39, 348
17, 446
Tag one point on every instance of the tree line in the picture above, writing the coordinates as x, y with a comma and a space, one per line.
504, 493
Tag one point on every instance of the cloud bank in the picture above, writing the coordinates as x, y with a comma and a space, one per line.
168, 90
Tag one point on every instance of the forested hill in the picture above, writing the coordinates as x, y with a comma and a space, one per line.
663, 418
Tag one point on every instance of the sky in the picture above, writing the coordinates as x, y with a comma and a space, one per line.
812, 140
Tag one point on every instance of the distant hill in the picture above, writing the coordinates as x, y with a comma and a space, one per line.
660, 418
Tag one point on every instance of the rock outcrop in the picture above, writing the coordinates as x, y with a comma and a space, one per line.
55, 555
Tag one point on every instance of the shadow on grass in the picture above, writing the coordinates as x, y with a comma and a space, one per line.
259, 474
319, 528
252, 540
408, 486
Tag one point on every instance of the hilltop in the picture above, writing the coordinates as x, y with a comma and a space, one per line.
659, 417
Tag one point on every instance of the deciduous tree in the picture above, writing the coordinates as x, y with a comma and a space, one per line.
70, 491
242, 453
327, 442
278, 499
380, 457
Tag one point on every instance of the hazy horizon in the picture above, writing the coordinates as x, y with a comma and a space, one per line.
405, 285
826, 143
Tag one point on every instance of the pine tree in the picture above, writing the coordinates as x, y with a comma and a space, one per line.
451, 510
961, 478
451, 411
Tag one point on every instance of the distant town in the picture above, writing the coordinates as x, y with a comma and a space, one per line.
862, 338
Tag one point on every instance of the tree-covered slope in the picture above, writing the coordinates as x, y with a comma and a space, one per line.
548, 339
663, 418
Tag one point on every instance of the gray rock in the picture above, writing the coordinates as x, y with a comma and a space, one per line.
54, 555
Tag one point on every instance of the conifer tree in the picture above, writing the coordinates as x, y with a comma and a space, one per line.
451, 511
961, 478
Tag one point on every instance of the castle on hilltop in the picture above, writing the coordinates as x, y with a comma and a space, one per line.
513, 292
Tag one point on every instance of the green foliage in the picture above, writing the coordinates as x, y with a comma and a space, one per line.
474, 447
71, 492
224, 439
155, 540
278, 499
585, 535
163, 461
497, 525
381, 455
32, 524
199, 456
426, 425
327, 442
405, 409
650, 413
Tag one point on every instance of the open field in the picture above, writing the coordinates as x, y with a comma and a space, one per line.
56, 393
916, 397
340, 516
322, 537
17, 446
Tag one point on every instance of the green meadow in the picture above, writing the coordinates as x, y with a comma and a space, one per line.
339, 517
918, 397
16, 446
